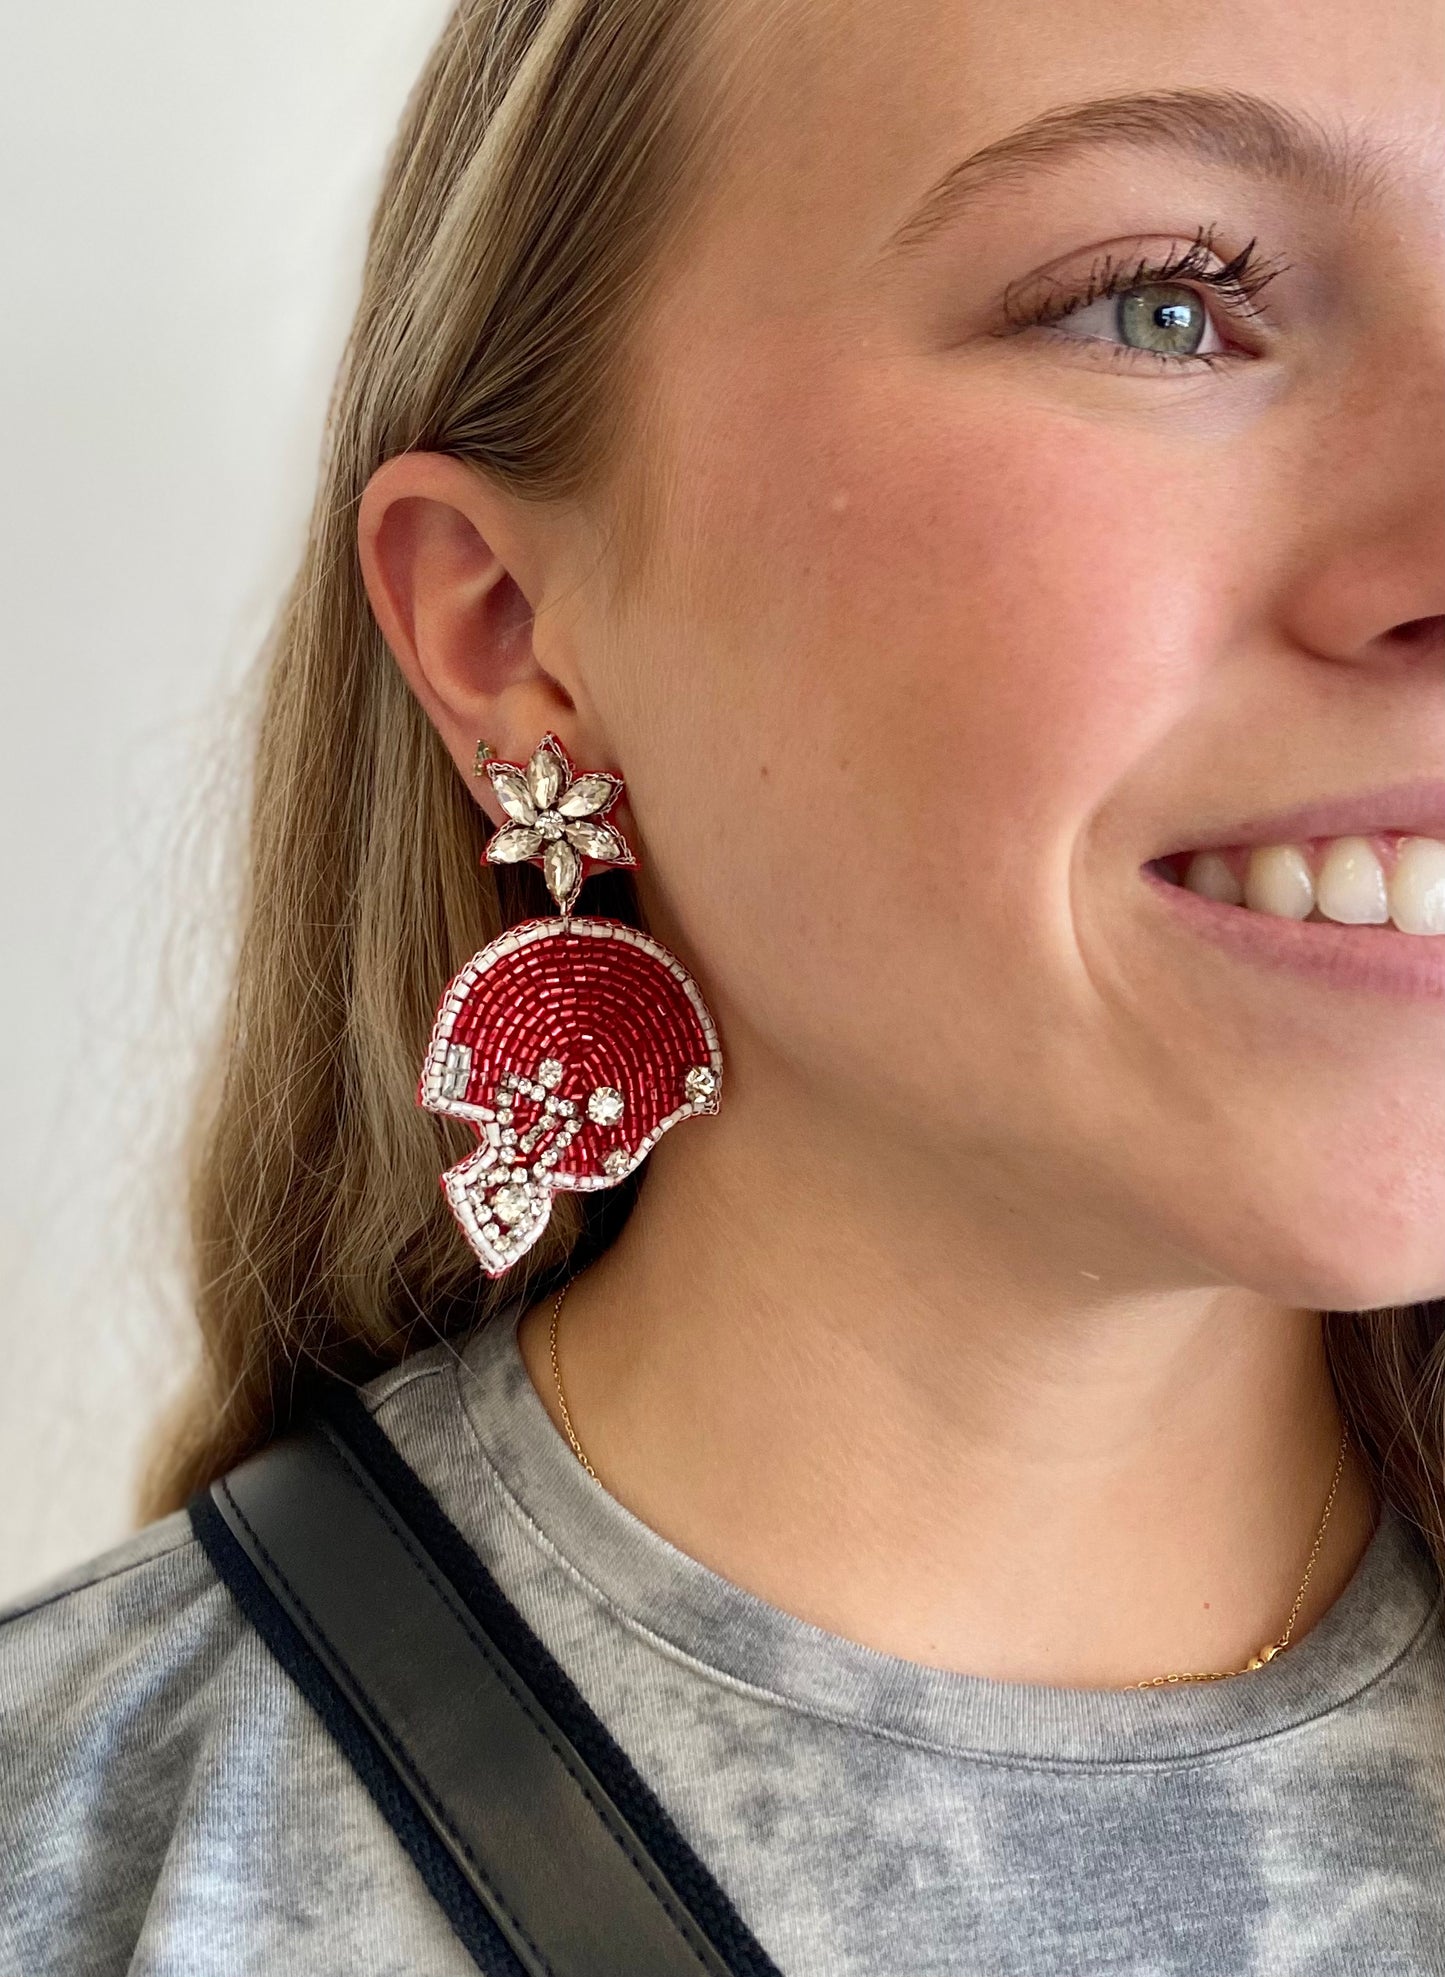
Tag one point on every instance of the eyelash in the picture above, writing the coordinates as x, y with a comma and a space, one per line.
1238, 282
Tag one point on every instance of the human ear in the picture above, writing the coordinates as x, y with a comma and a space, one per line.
453, 568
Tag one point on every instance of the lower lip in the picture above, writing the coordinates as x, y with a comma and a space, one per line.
1381, 959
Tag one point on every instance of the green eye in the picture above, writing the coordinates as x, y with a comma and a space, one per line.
1161, 316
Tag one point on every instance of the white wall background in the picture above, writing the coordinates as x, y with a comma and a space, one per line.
184, 188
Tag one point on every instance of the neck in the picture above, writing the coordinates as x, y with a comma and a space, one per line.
949, 1419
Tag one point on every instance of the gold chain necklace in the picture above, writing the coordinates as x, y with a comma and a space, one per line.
561, 1397
1273, 1648
1266, 1653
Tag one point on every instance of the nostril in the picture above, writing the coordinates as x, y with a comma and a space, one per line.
1420, 632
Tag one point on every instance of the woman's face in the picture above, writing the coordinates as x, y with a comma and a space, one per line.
962, 609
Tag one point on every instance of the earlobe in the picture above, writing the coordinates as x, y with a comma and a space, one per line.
447, 569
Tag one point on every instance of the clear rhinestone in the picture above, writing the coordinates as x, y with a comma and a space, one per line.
562, 869
700, 1082
514, 843
605, 1106
617, 1162
587, 794
511, 1204
538, 1092
551, 825
599, 841
550, 1073
546, 774
519, 1174
512, 792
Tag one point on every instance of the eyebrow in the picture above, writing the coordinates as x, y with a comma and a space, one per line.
1229, 127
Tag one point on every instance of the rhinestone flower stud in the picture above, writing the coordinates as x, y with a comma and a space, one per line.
556, 819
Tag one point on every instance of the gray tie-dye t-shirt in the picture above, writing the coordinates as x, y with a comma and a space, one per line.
170, 1806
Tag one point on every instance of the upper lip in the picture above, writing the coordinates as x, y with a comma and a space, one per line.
1414, 807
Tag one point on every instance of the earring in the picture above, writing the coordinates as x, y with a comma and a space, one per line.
485, 754
569, 1045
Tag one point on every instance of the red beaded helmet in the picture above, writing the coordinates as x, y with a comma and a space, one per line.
570, 1045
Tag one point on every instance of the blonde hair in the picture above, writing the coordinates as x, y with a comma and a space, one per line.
547, 153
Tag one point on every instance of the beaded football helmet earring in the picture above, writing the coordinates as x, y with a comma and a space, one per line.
569, 1045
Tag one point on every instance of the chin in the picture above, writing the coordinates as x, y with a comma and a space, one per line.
1337, 1251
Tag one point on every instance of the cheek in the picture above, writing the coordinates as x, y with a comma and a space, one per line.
932, 638
1023, 609
997, 607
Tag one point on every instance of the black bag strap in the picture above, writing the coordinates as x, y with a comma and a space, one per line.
538, 1866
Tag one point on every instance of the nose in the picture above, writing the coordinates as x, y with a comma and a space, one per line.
1372, 586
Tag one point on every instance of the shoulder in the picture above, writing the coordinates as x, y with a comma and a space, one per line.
147, 1610
161, 1774
120, 1682
157, 1541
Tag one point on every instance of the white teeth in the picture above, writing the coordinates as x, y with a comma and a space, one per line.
1417, 887
1277, 880
1209, 874
1350, 886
